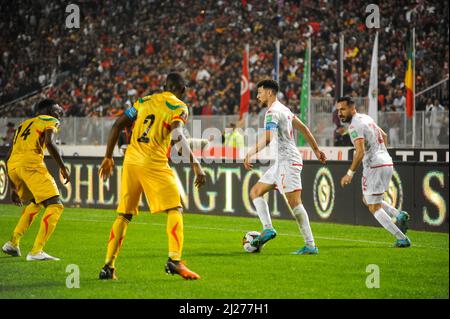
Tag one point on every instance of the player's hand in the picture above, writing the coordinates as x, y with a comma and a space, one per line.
346, 180
248, 166
15, 198
65, 173
107, 168
200, 176
321, 156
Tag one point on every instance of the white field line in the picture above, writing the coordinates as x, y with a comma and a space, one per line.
244, 230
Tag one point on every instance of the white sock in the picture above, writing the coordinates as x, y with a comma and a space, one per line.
301, 216
392, 211
386, 221
263, 212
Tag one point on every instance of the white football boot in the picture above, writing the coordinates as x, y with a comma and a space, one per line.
11, 250
40, 256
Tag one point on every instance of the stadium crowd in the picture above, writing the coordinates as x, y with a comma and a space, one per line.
123, 49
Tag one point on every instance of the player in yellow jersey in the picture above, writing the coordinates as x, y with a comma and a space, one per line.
30, 180
146, 169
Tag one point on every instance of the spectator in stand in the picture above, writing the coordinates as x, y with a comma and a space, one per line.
394, 122
435, 121
399, 102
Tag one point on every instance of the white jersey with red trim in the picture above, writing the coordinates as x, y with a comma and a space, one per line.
279, 118
376, 154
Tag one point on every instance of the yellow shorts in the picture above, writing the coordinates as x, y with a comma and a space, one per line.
158, 184
33, 183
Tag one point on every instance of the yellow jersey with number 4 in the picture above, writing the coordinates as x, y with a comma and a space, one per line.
28, 143
151, 135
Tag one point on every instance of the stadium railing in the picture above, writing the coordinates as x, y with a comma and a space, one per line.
432, 129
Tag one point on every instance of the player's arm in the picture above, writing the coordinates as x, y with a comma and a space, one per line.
299, 125
357, 159
107, 165
263, 141
54, 152
181, 144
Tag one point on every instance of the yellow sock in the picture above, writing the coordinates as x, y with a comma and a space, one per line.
118, 232
48, 224
25, 221
175, 232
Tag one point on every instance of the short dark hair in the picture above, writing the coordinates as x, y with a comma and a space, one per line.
44, 105
347, 99
175, 80
269, 84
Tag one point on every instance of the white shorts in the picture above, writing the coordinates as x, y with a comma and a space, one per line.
285, 176
375, 182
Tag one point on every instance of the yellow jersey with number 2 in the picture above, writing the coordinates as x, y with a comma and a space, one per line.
151, 135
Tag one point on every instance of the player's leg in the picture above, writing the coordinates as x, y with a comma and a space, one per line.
26, 219
385, 220
45, 192
265, 184
390, 210
175, 235
116, 237
302, 219
161, 191
53, 210
262, 208
29, 213
290, 176
130, 194
376, 183
400, 216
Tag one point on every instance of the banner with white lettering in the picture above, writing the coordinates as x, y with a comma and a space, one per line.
419, 188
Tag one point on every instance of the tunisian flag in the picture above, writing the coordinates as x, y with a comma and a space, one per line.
409, 76
245, 80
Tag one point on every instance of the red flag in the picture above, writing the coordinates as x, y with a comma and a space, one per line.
245, 90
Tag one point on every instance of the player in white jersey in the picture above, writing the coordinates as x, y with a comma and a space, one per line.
285, 172
370, 147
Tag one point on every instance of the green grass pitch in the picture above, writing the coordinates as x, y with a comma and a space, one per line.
213, 249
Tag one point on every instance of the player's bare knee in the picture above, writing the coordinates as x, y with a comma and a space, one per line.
255, 193
53, 201
294, 202
374, 207
128, 217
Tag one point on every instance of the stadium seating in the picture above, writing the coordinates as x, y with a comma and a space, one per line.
122, 50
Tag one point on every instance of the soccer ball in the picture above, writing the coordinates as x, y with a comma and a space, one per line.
247, 239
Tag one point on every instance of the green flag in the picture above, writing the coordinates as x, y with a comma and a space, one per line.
304, 100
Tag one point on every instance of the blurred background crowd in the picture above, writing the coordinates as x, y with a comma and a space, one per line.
123, 49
